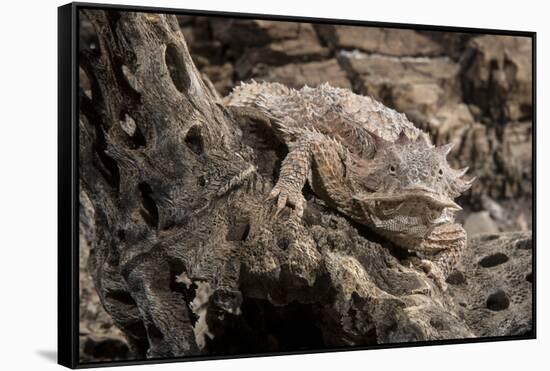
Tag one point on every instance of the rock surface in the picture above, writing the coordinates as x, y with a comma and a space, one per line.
393, 42
311, 74
497, 76
417, 86
501, 159
480, 222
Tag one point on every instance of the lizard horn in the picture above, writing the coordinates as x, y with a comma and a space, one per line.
460, 172
379, 142
402, 139
445, 149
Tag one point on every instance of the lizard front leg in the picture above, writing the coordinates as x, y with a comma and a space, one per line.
319, 159
324, 162
292, 178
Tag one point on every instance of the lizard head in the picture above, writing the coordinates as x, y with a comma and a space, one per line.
408, 185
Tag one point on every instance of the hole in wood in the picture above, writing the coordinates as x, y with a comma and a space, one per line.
194, 141
149, 210
130, 127
456, 278
498, 301
238, 230
493, 260
154, 333
106, 164
176, 68
283, 243
120, 296
526, 244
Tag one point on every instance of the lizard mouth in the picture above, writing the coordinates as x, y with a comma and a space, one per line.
409, 212
422, 196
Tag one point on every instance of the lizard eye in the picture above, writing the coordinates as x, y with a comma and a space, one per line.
440, 172
392, 169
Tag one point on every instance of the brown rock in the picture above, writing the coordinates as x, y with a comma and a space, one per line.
449, 123
221, 77
312, 74
452, 44
242, 33
515, 156
496, 211
204, 48
304, 47
416, 86
498, 76
480, 222
395, 42
501, 162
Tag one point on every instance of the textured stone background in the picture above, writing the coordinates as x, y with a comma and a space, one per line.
473, 90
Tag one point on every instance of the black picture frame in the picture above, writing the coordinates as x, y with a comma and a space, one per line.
68, 180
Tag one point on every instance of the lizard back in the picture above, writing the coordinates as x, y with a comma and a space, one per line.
339, 113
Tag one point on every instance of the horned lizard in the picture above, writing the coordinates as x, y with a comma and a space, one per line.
367, 161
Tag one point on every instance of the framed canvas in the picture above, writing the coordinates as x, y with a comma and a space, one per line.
236, 185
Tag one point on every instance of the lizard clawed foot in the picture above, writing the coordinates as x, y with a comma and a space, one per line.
287, 195
434, 272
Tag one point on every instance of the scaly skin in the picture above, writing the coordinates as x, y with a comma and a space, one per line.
367, 161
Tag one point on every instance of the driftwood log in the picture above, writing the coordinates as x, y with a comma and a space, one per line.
186, 254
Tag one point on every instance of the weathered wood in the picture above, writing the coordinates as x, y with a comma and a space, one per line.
146, 134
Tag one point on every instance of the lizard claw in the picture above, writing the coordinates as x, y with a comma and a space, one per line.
288, 196
434, 272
